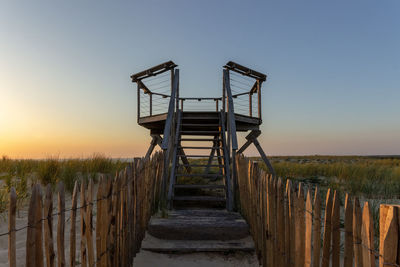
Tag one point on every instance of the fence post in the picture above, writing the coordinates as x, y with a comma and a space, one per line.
358, 262
61, 226
326, 247
292, 215
280, 223
99, 219
300, 227
72, 238
317, 229
309, 214
287, 225
83, 226
388, 235
12, 209
89, 223
367, 237
348, 237
48, 227
31, 232
336, 229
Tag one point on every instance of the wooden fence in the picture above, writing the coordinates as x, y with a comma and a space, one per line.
294, 227
113, 220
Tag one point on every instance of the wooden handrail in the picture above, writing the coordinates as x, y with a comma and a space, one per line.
171, 112
231, 112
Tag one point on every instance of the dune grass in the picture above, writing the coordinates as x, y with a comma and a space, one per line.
363, 176
20, 173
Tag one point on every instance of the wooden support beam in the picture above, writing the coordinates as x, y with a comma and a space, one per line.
153, 71
156, 140
264, 157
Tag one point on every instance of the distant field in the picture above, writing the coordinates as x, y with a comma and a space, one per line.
20, 174
366, 176
372, 177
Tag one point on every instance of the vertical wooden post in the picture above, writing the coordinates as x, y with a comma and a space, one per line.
72, 239
250, 104
358, 262
12, 209
300, 227
89, 223
309, 214
367, 237
31, 232
48, 227
317, 229
216, 105
292, 216
259, 98
99, 219
326, 247
388, 235
287, 225
280, 224
151, 104
348, 237
39, 227
83, 225
61, 226
138, 102
336, 229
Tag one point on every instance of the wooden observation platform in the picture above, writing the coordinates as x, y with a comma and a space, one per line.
187, 127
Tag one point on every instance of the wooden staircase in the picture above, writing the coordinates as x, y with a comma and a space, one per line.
203, 132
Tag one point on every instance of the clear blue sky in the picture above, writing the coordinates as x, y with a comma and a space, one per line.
333, 71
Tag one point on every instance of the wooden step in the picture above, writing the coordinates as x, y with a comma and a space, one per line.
199, 139
201, 165
199, 224
200, 124
200, 147
199, 186
199, 175
198, 198
153, 244
198, 156
199, 132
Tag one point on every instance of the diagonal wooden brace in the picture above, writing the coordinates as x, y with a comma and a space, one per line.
252, 138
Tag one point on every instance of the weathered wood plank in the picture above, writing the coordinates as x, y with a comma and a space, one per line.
48, 228
39, 227
89, 223
31, 232
388, 235
72, 235
336, 229
348, 237
308, 230
358, 262
317, 229
367, 237
300, 227
61, 226
326, 247
12, 209
83, 225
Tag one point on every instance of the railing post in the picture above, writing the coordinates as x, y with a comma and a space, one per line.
151, 104
250, 104
138, 102
259, 98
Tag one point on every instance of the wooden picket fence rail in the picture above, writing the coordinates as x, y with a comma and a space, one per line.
286, 224
113, 220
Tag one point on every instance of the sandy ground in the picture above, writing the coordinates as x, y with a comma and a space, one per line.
22, 220
144, 258
150, 259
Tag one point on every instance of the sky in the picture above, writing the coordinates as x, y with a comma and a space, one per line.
333, 71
